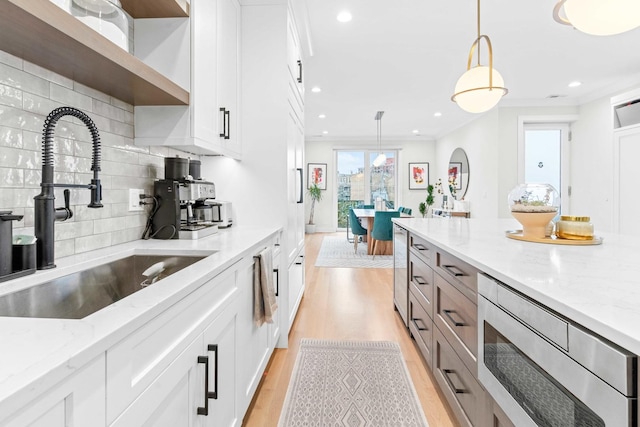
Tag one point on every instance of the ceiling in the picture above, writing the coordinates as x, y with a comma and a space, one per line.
405, 56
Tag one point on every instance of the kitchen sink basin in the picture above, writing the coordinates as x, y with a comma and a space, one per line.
80, 294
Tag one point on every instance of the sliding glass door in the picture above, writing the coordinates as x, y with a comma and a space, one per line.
360, 183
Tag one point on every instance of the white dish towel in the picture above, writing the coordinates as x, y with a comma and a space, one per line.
264, 301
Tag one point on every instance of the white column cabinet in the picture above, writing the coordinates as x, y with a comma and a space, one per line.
202, 54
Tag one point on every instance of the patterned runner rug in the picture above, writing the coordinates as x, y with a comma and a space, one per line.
351, 384
337, 251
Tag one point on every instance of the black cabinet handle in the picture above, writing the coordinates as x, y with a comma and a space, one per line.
299, 71
424, 326
301, 259
224, 122
447, 313
204, 410
446, 373
277, 271
419, 280
227, 126
213, 394
420, 247
453, 270
300, 173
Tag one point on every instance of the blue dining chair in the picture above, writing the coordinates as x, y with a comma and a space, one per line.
356, 229
383, 227
407, 211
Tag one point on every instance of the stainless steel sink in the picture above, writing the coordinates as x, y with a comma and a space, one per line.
80, 294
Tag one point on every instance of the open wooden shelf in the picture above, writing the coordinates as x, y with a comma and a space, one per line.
40, 32
156, 8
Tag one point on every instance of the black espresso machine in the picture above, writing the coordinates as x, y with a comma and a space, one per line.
182, 199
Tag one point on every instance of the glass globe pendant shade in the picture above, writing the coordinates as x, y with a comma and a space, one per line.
600, 17
473, 92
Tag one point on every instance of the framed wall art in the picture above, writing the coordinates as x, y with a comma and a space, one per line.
455, 171
418, 176
317, 174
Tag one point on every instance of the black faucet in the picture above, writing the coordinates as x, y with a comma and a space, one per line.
46, 212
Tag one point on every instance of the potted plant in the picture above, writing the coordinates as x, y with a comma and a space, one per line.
425, 206
315, 194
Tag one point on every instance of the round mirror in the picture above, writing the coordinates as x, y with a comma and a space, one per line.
458, 173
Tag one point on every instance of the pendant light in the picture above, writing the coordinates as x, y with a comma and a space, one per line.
379, 161
480, 88
599, 17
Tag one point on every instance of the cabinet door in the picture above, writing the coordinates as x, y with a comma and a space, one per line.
253, 341
278, 279
294, 56
77, 401
296, 286
220, 349
174, 397
228, 66
295, 199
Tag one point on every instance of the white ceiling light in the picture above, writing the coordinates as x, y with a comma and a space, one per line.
437, 114
599, 17
575, 84
344, 16
322, 116
316, 89
379, 161
480, 88
325, 132
416, 131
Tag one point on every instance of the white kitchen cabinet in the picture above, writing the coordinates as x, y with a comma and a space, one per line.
296, 285
295, 63
160, 360
278, 272
201, 54
77, 401
267, 186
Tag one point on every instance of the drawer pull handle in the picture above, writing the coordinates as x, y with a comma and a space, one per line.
204, 410
447, 313
424, 326
446, 373
214, 394
420, 247
277, 271
453, 270
420, 280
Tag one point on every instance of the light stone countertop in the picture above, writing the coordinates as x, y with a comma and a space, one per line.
38, 353
596, 286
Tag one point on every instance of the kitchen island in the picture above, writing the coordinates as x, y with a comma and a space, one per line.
497, 318
39, 353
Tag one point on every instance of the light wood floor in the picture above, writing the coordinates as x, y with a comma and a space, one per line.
344, 303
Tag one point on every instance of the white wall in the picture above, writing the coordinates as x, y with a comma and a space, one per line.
408, 151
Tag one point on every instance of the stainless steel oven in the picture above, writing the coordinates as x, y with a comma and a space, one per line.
544, 370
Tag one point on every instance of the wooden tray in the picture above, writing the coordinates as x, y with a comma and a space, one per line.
517, 235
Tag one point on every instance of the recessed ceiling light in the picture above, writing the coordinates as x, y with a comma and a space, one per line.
322, 116
344, 16
324, 132
575, 84
416, 131
316, 89
437, 114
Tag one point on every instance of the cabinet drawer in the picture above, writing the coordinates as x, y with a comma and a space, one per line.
456, 317
463, 392
421, 279
421, 327
459, 273
423, 249
136, 361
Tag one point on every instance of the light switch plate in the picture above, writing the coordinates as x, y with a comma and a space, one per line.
134, 199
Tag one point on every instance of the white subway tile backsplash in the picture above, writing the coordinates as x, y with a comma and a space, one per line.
28, 93
21, 80
11, 177
10, 96
56, 78
8, 59
66, 96
10, 137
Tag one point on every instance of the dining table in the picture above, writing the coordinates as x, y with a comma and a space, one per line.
369, 215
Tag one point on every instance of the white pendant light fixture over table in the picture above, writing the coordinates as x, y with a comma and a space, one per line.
599, 17
379, 161
480, 88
